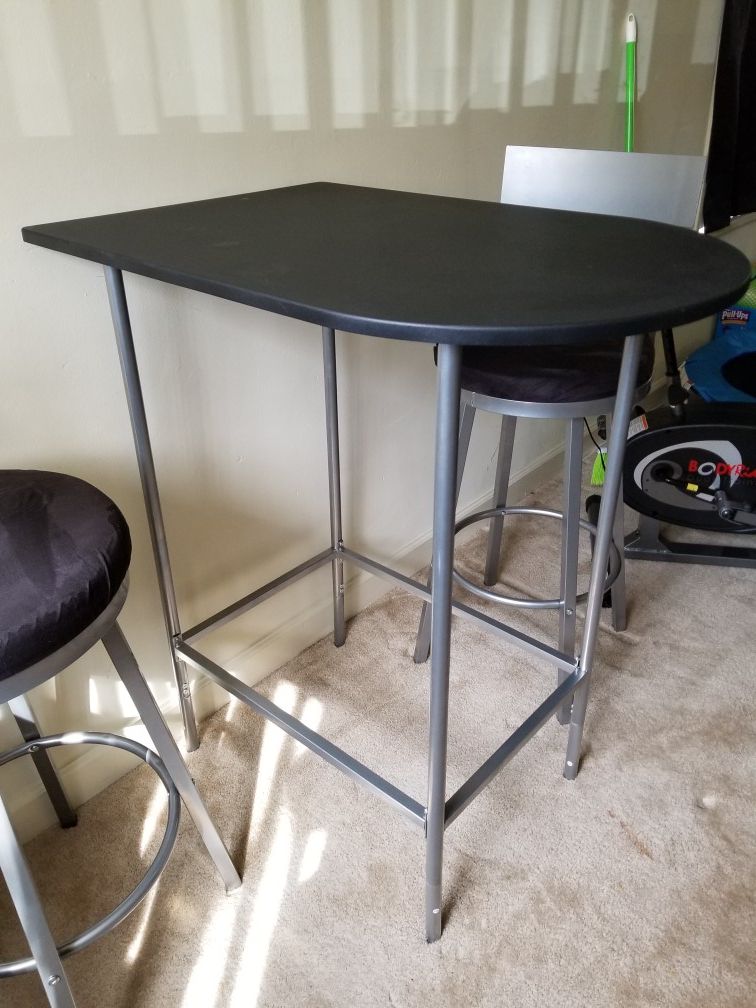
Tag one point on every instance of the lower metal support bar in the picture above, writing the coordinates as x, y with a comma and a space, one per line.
498, 760
299, 731
530, 644
258, 596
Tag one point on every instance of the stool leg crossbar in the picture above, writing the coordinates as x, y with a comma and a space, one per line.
437, 812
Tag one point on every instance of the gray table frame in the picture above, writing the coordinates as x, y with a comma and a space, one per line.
436, 812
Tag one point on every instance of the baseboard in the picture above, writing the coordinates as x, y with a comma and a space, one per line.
87, 774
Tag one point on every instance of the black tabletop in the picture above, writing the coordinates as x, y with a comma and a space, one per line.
418, 267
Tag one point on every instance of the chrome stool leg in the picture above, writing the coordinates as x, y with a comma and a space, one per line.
619, 589
27, 725
501, 487
619, 592
127, 668
26, 900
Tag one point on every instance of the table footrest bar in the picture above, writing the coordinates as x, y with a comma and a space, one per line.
558, 658
299, 731
498, 760
259, 595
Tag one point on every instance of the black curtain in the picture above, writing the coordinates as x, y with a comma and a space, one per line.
731, 172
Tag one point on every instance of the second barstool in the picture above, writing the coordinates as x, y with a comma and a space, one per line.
567, 383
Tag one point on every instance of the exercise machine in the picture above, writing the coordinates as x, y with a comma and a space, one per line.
692, 463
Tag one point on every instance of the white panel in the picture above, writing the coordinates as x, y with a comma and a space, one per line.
661, 187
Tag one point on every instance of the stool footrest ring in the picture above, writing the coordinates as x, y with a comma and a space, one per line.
615, 559
152, 874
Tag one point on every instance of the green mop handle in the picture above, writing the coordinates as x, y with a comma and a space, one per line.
631, 36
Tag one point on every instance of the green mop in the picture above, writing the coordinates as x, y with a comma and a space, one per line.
631, 36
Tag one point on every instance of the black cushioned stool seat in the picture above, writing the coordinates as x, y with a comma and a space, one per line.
557, 374
64, 552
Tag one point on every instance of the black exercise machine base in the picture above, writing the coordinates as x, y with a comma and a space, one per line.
664, 550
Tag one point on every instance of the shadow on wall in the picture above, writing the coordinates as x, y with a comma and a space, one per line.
146, 67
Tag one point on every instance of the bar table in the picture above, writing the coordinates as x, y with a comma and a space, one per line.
438, 270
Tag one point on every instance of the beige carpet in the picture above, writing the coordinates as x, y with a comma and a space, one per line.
632, 886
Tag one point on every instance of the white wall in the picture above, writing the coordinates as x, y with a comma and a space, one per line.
111, 106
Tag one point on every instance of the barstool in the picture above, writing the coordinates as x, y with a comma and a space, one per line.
489, 379
569, 383
64, 558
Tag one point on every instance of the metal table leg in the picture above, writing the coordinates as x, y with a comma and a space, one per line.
334, 481
122, 325
447, 421
467, 418
604, 533
618, 592
573, 471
